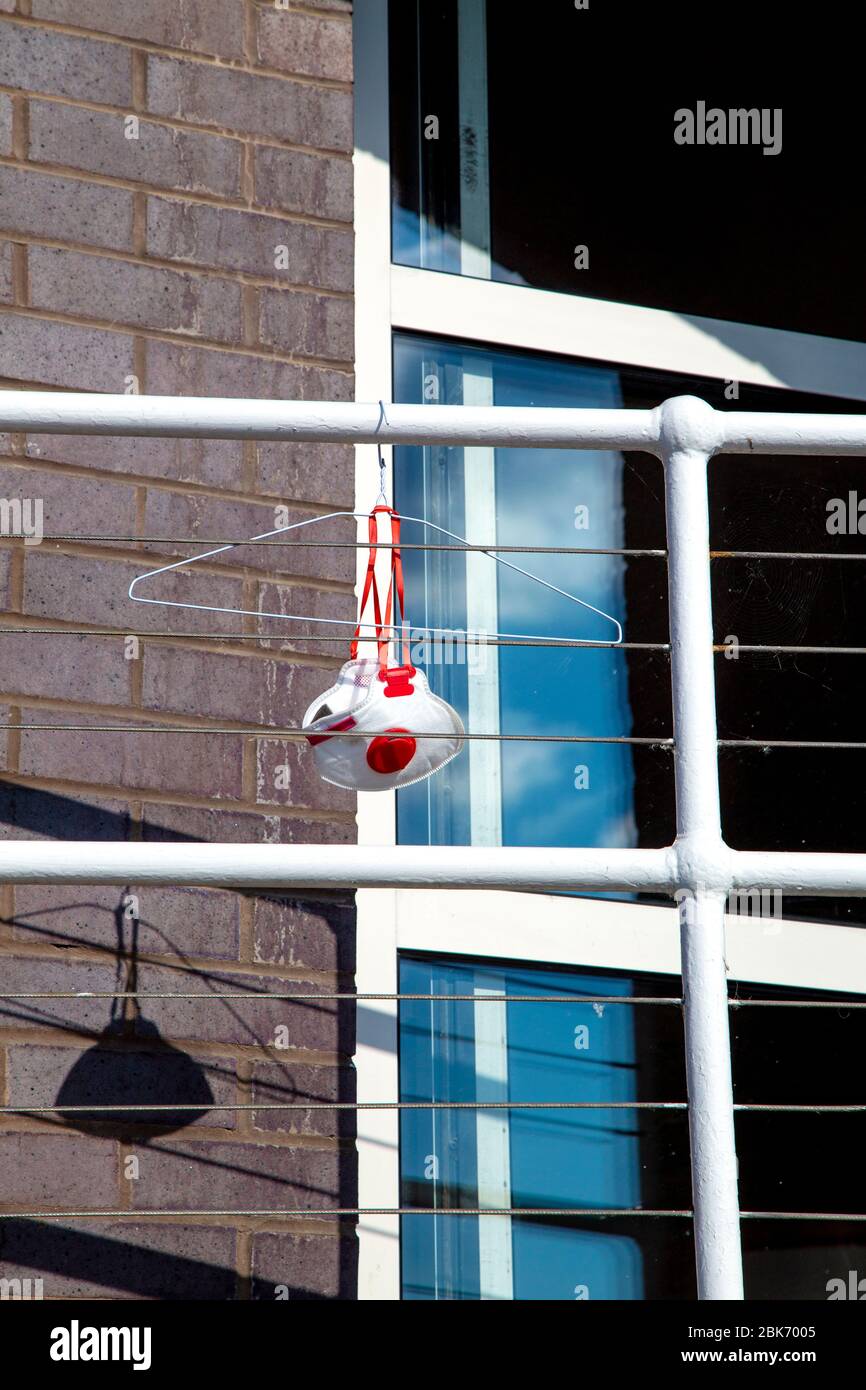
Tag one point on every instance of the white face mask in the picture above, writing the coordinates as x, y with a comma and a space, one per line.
381, 717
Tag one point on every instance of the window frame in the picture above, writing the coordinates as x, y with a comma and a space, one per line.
577, 932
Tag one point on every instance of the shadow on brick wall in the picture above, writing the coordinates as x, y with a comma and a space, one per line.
132, 1063
77, 1262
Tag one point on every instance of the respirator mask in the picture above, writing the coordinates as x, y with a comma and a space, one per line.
381, 726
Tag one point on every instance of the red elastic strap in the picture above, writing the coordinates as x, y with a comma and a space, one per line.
397, 576
395, 597
370, 585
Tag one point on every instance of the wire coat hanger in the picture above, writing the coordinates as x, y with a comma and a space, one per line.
345, 622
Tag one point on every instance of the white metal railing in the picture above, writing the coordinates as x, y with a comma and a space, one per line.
699, 868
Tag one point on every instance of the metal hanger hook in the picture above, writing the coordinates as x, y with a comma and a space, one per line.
383, 497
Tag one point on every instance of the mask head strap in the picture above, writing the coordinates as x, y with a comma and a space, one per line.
395, 597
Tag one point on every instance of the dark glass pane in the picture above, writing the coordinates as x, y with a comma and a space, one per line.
558, 133
799, 1162
804, 1259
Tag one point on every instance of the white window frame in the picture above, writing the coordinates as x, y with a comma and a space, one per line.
583, 932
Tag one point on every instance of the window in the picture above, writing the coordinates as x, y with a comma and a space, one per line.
469, 296
541, 162
525, 793
506, 1033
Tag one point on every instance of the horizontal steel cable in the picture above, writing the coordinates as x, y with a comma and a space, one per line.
783, 649
359, 1105
266, 731
269, 731
199, 1107
473, 548
457, 638
851, 745
581, 1213
642, 552
841, 1004
352, 545
254, 996
351, 1211
418, 998
787, 555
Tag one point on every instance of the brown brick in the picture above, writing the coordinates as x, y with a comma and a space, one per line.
86, 286
228, 687
318, 603
76, 1016
212, 462
199, 764
182, 921
313, 325
305, 1267
6, 285
72, 505
292, 932
341, 6
249, 1021
275, 107
58, 1171
96, 141
44, 60
64, 668
33, 813
305, 44
79, 589
199, 234
65, 209
61, 354
112, 1073
308, 472
197, 25
5, 123
177, 514
290, 181
208, 521
291, 765
122, 1259
292, 1083
5, 565
227, 1176
178, 370
178, 824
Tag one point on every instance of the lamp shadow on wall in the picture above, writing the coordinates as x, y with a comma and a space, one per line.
108, 1074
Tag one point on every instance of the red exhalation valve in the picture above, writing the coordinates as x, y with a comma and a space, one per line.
387, 755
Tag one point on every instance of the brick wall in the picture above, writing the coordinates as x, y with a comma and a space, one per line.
154, 155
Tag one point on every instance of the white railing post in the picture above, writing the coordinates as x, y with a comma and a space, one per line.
689, 434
